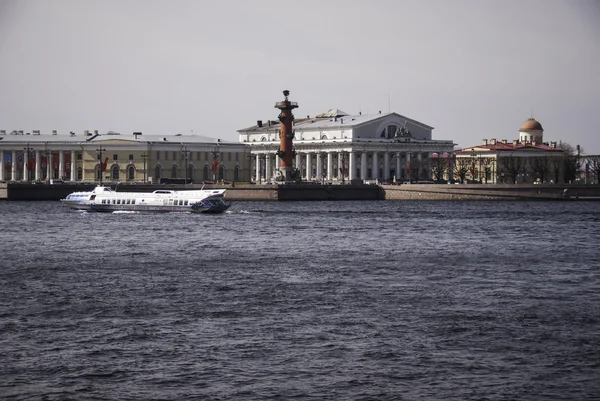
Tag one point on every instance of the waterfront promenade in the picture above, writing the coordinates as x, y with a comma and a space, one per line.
311, 191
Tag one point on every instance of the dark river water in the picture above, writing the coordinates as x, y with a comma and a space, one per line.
376, 300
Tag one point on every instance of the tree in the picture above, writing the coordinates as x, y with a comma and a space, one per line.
439, 167
462, 165
540, 165
486, 166
571, 165
594, 168
512, 166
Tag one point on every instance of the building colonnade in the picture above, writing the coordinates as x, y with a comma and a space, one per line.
341, 165
36, 165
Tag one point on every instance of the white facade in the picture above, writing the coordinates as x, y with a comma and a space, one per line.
336, 147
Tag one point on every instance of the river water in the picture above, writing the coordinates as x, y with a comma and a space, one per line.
377, 300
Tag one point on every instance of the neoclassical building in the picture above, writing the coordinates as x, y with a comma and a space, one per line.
337, 147
525, 160
115, 157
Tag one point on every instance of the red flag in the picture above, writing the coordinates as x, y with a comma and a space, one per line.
215, 166
104, 164
31, 163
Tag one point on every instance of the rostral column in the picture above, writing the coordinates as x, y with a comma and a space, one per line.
286, 136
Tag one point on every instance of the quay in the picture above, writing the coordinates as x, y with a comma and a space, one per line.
19, 191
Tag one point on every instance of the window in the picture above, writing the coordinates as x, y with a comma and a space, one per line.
115, 172
198, 155
174, 171
157, 155
236, 173
115, 157
229, 156
79, 155
174, 155
130, 157
166, 155
130, 173
79, 174
237, 157
157, 173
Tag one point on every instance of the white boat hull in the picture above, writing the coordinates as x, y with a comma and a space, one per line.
103, 199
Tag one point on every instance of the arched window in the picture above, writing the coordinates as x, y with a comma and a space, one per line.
221, 173
190, 173
115, 172
236, 173
174, 169
79, 174
323, 136
206, 173
130, 173
157, 173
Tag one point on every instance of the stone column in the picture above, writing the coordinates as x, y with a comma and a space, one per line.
298, 162
386, 166
308, 167
1, 165
13, 168
25, 162
49, 166
61, 165
375, 166
419, 165
257, 178
397, 165
363, 166
330, 166
72, 165
319, 167
277, 166
267, 167
38, 165
408, 174
351, 166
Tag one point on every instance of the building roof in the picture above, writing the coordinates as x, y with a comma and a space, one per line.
515, 146
338, 121
531, 125
110, 135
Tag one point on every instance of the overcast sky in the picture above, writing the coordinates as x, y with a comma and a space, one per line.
473, 69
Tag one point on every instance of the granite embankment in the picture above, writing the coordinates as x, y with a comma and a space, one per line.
309, 191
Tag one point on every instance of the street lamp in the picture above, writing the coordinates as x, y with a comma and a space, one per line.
144, 157
473, 154
100, 169
343, 168
185, 153
215, 165
26, 153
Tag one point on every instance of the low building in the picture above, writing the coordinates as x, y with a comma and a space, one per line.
338, 147
115, 157
525, 160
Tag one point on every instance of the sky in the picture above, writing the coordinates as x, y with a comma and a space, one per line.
473, 69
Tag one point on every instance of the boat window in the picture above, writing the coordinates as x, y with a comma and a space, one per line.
185, 202
128, 201
133, 201
118, 201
